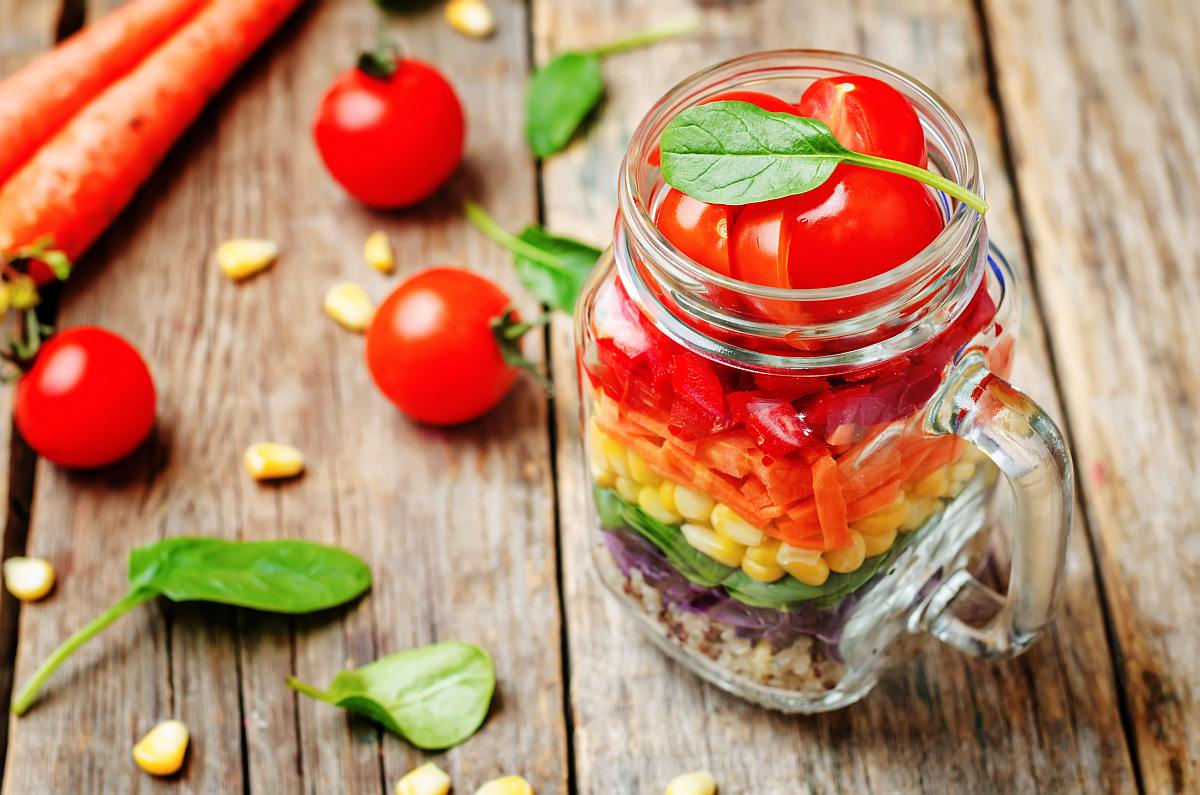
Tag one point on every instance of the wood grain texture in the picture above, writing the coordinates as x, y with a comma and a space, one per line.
27, 27
458, 526
1100, 99
1047, 722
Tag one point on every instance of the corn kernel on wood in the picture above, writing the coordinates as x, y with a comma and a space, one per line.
701, 782
378, 253
243, 257
349, 304
508, 785
28, 579
471, 18
272, 460
428, 779
161, 751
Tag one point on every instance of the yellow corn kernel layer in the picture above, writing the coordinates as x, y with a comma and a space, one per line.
428, 779
717, 531
161, 751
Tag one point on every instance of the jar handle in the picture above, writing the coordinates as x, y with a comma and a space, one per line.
1020, 439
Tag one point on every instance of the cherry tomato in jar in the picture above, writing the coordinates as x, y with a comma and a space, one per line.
698, 229
431, 350
390, 131
867, 115
88, 400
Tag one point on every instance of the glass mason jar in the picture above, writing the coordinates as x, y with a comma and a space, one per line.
786, 482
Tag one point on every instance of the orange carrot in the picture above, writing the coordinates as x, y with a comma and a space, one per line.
40, 98
76, 184
877, 500
860, 478
831, 505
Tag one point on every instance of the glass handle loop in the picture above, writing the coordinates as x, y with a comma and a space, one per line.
1026, 445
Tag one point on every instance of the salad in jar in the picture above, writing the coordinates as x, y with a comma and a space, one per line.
759, 387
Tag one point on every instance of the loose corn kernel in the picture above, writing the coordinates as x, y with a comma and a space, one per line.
849, 559
733, 527
649, 501
377, 251
699, 783
471, 18
693, 505
617, 455
885, 519
628, 488
640, 471
919, 510
666, 493
509, 785
349, 304
272, 460
244, 257
428, 779
935, 484
763, 572
764, 553
718, 547
815, 574
878, 543
161, 751
28, 579
788, 554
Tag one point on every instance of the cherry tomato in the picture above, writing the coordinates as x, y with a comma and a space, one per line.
701, 230
859, 224
431, 350
88, 400
868, 116
698, 229
392, 136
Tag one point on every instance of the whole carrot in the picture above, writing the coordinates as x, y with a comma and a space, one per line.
80, 180
39, 99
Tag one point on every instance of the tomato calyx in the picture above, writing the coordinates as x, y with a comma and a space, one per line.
381, 62
19, 292
509, 329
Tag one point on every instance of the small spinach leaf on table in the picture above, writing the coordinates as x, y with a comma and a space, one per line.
557, 288
434, 696
561, 95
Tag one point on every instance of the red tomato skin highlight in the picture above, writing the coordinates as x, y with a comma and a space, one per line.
391, 142
88, 401
431, 351
868, 116
868, 223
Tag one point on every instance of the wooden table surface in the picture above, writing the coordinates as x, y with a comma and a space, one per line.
1085, 114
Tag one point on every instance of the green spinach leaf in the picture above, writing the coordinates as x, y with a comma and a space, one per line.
563, 92
435, 696
552, 268
609, 507
561, 95
276, 576
737, 153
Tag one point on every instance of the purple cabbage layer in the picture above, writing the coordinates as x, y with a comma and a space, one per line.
780, 628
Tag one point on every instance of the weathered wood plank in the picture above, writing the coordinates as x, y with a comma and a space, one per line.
28, 28
458, 526
1046, 722
1100, 100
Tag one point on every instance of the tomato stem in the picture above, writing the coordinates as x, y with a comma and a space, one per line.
670, 30
924, 175
486, 224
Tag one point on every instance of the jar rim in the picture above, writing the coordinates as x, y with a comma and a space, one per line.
963, 226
